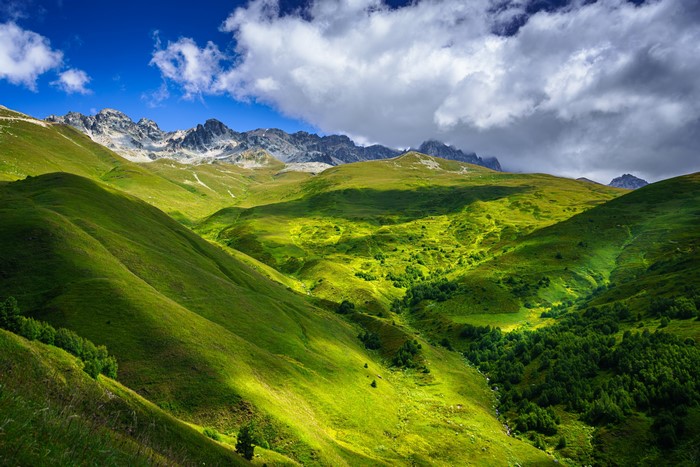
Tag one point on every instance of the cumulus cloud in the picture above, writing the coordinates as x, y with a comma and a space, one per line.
193, 68
73, 81
593, 88
24, 55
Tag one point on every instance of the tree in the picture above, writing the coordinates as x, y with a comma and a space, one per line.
244, 441
346, 307
10, 315
370, 339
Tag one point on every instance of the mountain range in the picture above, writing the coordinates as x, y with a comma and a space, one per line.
143, 141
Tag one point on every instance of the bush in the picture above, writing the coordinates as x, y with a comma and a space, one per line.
212, 433
29, 328
562, 443
346, 307
404, 357
10, 315
96, 359
370, 339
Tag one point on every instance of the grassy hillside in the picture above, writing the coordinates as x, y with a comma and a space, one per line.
214, 342
364, 232
635, 248
32, 147
604, 324
579, 301
52, 413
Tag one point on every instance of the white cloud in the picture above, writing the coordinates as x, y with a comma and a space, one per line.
184, 63
73, 81
24, 55
591, 89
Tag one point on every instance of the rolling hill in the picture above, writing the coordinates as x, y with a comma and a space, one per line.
349, 314
213, 342
53, 413
365, 231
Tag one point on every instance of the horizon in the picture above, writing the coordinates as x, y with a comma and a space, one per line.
404, 150
529, 83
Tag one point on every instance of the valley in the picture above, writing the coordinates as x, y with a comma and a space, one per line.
411, 310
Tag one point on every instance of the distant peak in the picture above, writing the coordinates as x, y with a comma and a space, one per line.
110, 112
147, 122
215, 126
628, 181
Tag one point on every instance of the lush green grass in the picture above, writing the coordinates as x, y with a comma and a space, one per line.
349, 231
52, 413
629, 251
214, 342
185, 191
633, 248
218, 336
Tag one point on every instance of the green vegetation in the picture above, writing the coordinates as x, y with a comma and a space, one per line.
326, 319
204, 336
244, 442
579, 365
52, 413
95, 359
366, 232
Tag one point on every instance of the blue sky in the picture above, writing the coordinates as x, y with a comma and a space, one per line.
569, 87
113, 43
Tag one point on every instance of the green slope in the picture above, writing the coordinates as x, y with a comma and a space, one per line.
603, 309
206, 337
52, 413
635, 248
352, 231
32, 147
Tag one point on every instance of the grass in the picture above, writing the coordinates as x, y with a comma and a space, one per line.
204, 336
218, 335
52, 413
376, 218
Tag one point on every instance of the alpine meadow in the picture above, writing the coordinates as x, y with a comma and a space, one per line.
390, 251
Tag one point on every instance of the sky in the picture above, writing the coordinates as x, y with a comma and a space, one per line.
569, 87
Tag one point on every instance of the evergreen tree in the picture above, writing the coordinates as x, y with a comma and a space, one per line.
10, 315
244, 441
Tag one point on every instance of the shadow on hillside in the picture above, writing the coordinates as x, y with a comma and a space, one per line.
384, 207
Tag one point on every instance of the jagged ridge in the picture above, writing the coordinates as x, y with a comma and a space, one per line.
628, 181
214, 141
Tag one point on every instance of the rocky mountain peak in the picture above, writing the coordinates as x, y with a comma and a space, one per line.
216, 127
628, 181
112, 114
439, 149
145, 122
213, 140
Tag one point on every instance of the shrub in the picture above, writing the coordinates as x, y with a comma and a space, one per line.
346, 307
212, 433
370, 339
10, 315
404, 357
562, 443
96, 359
